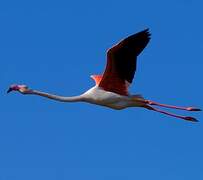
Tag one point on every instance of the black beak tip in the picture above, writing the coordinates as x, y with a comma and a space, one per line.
9, 90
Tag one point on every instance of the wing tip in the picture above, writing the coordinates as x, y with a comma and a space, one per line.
147, 32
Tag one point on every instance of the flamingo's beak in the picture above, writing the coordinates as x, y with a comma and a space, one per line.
9, 90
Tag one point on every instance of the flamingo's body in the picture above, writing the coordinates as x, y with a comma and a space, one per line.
111, 88
97, 95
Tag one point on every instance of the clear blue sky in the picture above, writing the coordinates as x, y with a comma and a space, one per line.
55, 46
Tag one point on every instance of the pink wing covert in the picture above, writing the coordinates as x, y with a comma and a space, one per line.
96, 78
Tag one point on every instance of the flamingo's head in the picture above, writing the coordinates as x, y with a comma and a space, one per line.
20, 88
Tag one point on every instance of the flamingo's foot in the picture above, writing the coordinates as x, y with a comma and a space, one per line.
188, 118
193, 109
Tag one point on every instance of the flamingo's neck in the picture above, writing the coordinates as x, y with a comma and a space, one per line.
56, 97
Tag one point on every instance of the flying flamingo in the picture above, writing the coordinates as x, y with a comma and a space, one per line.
111, 88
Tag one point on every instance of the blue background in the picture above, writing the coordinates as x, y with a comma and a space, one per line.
55, 46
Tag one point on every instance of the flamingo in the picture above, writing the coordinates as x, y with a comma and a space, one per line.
111, 88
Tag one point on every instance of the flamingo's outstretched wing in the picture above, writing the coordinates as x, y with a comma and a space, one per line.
121, 63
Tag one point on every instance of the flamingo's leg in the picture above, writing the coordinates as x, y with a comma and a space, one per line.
188, 118
171, 106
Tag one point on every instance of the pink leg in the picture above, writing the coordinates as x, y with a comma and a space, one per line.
188, 118
170, 106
